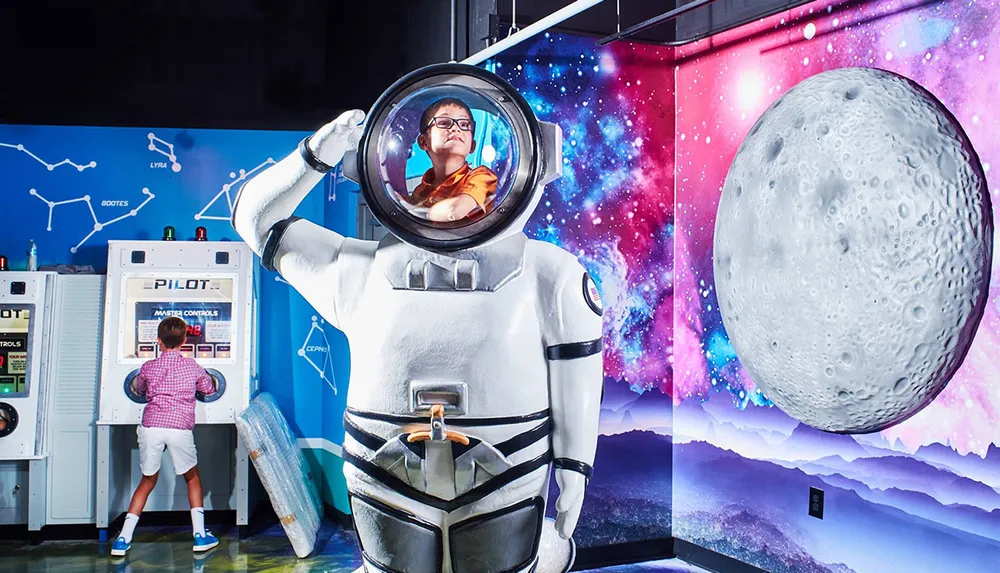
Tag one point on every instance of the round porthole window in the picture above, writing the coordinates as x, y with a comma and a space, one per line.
449, 157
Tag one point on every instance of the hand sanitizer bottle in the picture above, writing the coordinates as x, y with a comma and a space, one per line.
32, 256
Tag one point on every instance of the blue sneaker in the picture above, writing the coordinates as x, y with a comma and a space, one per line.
204, 542
120, 547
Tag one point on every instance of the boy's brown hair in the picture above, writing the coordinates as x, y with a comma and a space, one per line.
172, 332
428, 115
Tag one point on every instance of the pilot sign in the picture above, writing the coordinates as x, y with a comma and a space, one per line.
181, 284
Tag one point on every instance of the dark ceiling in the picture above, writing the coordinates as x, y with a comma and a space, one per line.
268, 64
218, 63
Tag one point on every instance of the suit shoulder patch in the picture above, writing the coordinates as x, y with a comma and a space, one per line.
591, 295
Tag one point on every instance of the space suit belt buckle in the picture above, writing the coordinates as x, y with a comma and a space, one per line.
436, 400
449, 396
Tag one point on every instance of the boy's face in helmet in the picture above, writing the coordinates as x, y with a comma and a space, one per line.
448, 134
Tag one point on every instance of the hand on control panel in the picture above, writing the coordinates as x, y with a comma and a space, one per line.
211, 385
135, 387
215, 388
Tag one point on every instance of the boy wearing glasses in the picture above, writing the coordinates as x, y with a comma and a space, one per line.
452, 190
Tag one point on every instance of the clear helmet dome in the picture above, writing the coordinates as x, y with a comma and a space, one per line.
449, 157
443, 143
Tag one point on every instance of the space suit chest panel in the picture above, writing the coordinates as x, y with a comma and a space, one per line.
490, 341
484, 269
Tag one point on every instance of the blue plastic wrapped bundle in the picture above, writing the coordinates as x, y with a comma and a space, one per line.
283, 471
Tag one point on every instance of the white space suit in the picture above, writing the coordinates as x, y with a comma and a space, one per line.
473, 371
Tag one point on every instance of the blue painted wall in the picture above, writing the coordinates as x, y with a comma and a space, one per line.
71, 189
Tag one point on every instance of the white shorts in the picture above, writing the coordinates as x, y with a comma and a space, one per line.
180, 444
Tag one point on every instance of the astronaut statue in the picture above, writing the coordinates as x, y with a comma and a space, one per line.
476, 361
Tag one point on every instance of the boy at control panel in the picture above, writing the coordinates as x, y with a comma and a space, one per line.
169, 383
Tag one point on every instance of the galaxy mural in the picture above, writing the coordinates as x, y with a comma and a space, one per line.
920, 496
613, 207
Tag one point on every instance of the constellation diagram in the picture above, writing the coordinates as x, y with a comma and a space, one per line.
98, 226
49, 166
327, 365
227, 188
169, 154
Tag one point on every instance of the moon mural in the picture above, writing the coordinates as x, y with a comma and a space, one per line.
853, 247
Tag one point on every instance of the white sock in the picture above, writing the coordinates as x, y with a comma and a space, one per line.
131, 520
198, 520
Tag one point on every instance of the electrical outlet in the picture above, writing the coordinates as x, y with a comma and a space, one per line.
816, 502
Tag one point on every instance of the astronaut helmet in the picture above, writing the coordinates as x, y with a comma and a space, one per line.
453, 158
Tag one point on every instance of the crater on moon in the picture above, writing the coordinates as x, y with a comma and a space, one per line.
859, 264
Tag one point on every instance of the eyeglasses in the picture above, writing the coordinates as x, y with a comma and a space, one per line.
444, 122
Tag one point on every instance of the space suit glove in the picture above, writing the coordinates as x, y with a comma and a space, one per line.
326, 148
572, 486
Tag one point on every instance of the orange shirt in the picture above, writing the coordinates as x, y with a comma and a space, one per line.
479, 183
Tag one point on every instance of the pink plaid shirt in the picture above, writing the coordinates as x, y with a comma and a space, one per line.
169, 382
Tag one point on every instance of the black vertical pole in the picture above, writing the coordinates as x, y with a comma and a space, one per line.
454, 30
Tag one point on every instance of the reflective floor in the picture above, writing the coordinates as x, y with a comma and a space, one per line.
169, 549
